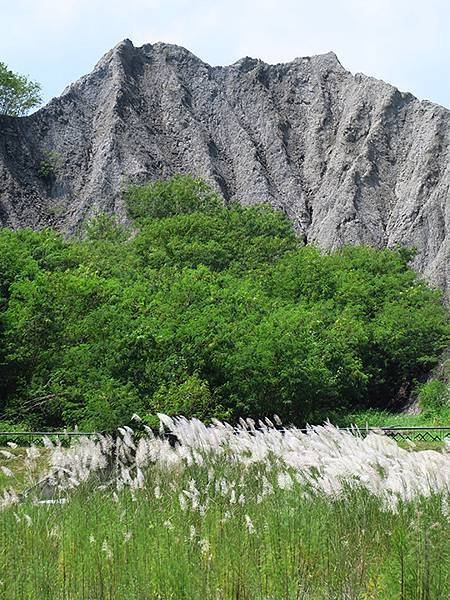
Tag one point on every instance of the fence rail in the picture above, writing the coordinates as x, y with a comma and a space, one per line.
414, 434
48, 433
418, 434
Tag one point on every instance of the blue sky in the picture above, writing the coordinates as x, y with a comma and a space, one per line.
404, 42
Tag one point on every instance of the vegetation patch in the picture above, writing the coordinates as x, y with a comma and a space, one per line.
207, 310
231, 513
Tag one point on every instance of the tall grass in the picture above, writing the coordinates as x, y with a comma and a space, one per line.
226, 515
383, 418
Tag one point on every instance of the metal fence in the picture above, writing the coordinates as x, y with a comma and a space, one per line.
418, 434
413, 434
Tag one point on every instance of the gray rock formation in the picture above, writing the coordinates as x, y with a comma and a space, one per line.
349, 158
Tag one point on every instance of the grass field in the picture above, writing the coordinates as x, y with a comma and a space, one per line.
257, 515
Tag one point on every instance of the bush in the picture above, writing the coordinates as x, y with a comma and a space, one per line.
211, 312
434, 400
178, 195
190, 398
235, 237
105, 228
49, 165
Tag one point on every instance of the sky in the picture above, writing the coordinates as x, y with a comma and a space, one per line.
403, 42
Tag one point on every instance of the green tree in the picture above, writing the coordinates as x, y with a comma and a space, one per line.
235, 237
190, 397
207, 310
180, 194
105, 228
434, 400
18, 94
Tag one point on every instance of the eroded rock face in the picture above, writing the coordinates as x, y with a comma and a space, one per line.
349, 158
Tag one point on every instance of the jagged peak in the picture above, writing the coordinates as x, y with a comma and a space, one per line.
329, 60
117, 50
125, 49
247, 63
125, 53
171, 51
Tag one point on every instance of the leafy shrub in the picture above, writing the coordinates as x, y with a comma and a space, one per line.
242, 238
211, 312
190, 397
372, 417
434, 400
105, 228
176, 196
48, 166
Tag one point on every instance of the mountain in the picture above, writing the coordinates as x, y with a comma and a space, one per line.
350, 159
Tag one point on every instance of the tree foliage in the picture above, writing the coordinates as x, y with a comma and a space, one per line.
176, 196
18, 94
206, 311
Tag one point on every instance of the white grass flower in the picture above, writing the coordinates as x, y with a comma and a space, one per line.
54, 532
139, 480
32, 452
127, 438
6, 454
183, 502
249, 525
28, 520
284, 481
205, 546
322, 460
223, 486
166, 421
148, 430
7, 472
267, 487
168, 525
226, 516
9, 498
127, 536
107, 550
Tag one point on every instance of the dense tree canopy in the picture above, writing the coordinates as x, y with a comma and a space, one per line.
206, 311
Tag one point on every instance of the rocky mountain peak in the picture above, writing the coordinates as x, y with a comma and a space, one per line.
350, 159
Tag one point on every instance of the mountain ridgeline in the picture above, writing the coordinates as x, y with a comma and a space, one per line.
349, 159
